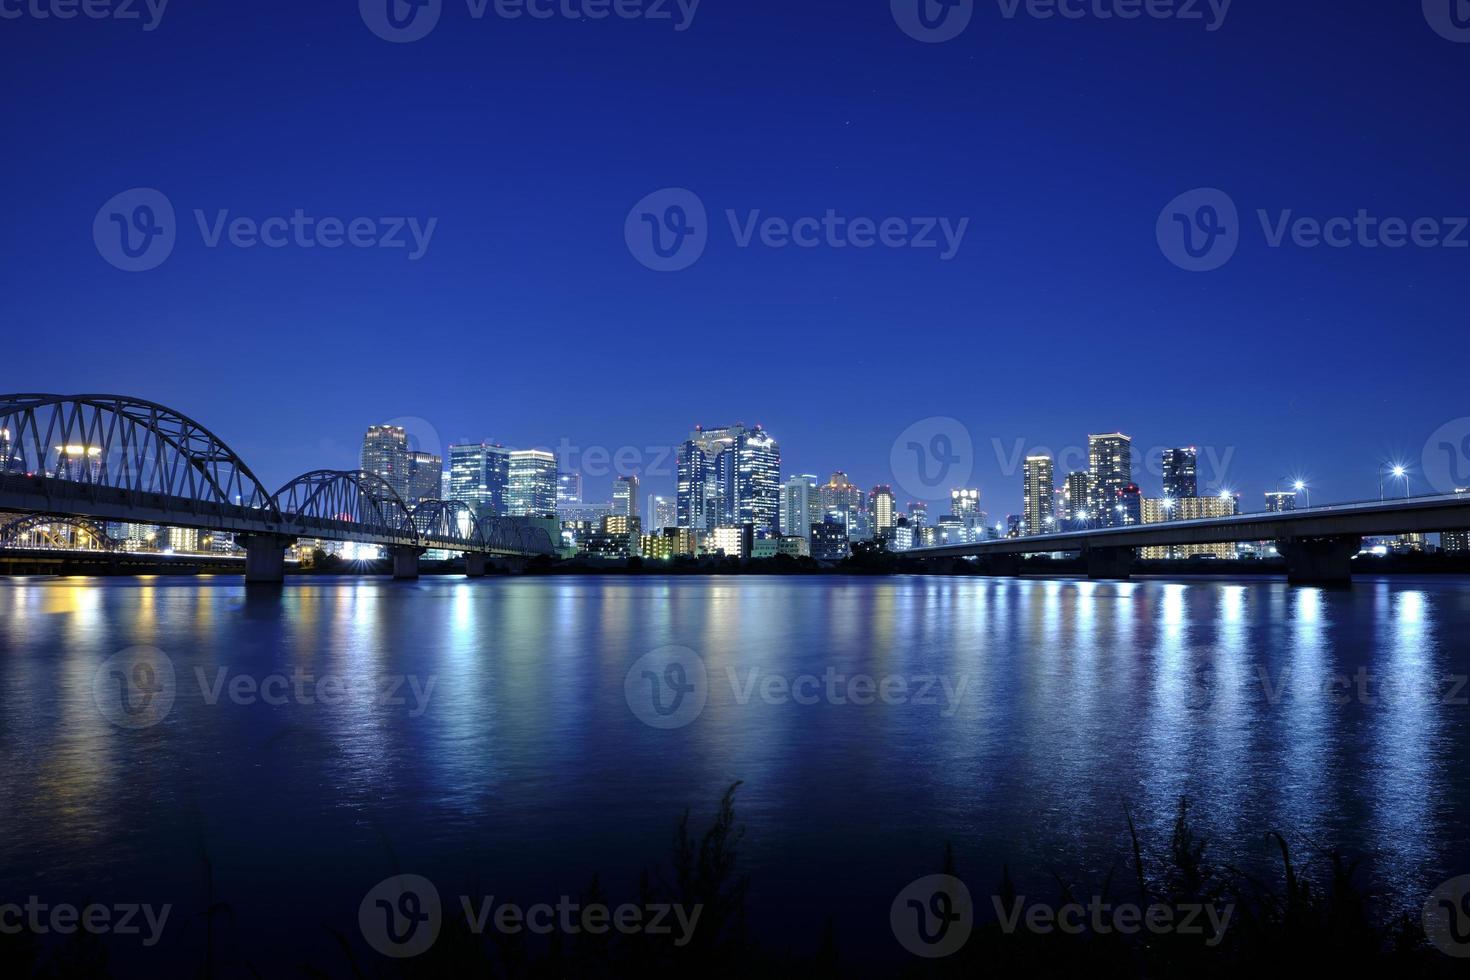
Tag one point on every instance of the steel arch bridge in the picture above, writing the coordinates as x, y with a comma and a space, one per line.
46, 533
113, 458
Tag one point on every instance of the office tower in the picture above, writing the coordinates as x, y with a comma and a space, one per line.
625, 495
730, 475
1040, 489
568, 489
841, 501
1077, 496
964, 503
918, 513
882, 510
661, 514
385, 455
1110, 462
425, 478
829, 540
689, 492
1014, 525
478, 475
1280, 501
1181, 473
531, 489
800, 508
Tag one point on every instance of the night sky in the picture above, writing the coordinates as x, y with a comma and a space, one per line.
529, 321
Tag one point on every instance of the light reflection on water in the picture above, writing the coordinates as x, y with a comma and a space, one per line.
1081, 701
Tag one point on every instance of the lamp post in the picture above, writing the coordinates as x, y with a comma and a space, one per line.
1300, 486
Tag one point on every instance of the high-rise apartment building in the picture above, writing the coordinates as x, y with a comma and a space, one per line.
1157, 510
1040, 488
1110, 465
662, 514
1077, 496
841, 502
918, 513
882, 511
531, 488
1181, 473
385, 454
1280, 501
568, 489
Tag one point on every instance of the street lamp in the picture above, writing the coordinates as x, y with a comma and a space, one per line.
1301, 487
1398, 472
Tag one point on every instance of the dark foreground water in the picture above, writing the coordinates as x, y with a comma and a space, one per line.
488, 737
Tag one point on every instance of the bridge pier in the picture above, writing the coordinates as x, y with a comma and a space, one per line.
406, 561
475, 564
265, 558
1320, 561
1109, 563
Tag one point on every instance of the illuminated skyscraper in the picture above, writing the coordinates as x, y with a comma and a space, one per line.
1278, 501
531, 490
425, 478
882, 510
82, 464
1077, 496
1040, 489
568, 489
385, 454
918, 513
1110, 461
728, 476
1181, 468
964, 503
800, 507
478, 475
625, 496
1129, 509
662, 514
841, 502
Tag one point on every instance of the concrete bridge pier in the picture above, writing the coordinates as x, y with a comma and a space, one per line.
475, 564
406, 561
265, 558
1109, 563
1320, 561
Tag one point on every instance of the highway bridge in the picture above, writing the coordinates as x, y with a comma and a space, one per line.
1318, 543
111, 458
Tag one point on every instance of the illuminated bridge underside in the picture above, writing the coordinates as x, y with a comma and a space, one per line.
112, 458
1318, 543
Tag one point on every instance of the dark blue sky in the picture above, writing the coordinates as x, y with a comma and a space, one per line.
528, 321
